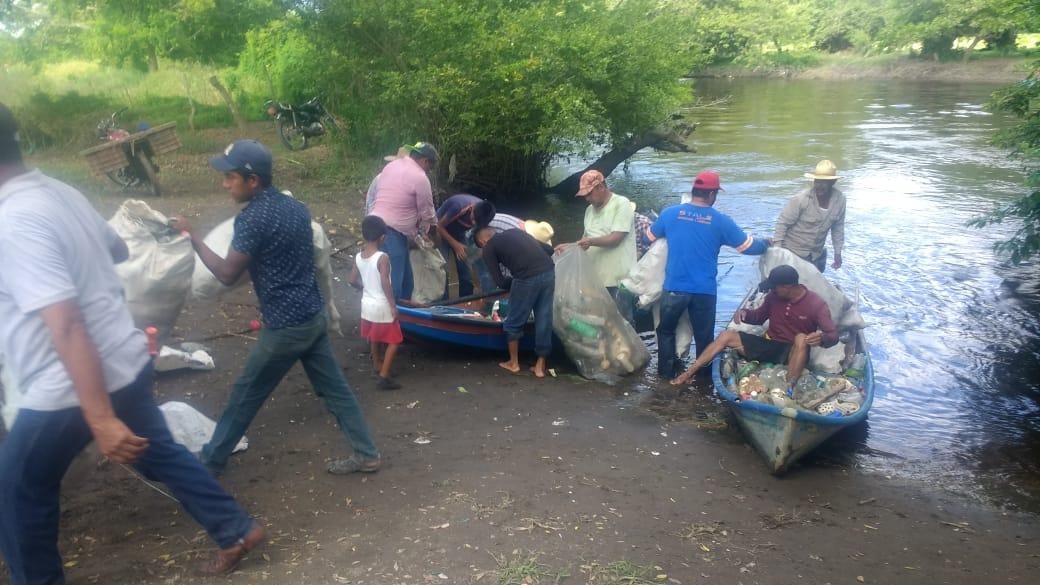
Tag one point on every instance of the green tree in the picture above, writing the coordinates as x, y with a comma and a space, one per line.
503, 86
936, 24
1023, 101
137, 33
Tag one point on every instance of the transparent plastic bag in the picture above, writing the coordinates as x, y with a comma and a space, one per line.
594, 334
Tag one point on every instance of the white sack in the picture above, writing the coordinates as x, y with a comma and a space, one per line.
157, 275
205, 286
428, 273
646, 278
191, 428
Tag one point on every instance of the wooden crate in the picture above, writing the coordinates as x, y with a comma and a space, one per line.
162, 138
106, 158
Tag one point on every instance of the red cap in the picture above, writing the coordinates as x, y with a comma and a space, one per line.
707, 180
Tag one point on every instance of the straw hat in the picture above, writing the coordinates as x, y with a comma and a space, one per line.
539, 230
401, 153
825, 171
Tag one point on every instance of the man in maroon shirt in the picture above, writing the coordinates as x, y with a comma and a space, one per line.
798, 319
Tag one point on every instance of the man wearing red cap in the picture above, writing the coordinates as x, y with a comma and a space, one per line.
696, 232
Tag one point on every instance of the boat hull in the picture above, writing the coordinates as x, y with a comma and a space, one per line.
447, 325
782, 436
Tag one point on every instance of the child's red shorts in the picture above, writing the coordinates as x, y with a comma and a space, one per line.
382, 332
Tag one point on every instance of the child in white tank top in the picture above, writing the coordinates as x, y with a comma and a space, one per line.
379, 324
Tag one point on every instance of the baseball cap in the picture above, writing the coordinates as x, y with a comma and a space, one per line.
424, 150
244, 155
707, 180
589, 181
780, 275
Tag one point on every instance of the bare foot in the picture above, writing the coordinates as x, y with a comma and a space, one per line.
513, 368
538, 372
682, 379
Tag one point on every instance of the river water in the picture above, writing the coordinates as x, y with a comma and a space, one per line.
953, 329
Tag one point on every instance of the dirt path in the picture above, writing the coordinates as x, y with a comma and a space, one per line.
521, 479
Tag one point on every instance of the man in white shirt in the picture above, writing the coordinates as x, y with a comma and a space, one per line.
84, 368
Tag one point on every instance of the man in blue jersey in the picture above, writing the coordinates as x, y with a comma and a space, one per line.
696, 232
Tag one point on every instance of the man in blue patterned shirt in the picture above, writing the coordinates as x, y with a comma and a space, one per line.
273, 240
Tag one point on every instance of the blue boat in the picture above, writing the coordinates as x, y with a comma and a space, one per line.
784, 435
461, 323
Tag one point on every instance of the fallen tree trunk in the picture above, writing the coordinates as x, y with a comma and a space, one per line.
671, 136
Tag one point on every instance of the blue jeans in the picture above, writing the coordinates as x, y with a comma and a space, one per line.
37, 452
532, 294
270, 359
702, 317
396, 246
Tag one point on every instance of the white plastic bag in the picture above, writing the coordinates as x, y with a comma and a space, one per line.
170, 359
157, 275
594, 334
646, 278
205, 286
191, 428
428, 272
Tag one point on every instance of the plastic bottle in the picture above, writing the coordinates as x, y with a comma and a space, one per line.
494, 312
582, 328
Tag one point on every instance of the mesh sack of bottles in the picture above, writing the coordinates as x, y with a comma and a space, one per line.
595, 336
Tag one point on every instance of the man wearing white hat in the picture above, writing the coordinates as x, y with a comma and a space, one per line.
803, 224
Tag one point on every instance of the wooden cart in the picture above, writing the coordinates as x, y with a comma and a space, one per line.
134, 155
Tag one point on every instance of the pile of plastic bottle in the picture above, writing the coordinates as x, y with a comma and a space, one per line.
825, 394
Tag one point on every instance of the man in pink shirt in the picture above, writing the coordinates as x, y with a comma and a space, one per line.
404, 200
798, 320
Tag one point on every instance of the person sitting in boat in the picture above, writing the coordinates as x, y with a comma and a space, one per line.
530, 289
798, 320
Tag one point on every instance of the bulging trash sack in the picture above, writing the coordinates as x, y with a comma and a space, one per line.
594, 334
428, 273
646, 278
206, 287
191, 428
158, 273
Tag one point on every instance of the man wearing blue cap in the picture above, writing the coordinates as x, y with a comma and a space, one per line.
273, 240
84, 370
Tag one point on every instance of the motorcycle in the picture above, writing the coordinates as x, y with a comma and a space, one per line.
298, 124
141, 170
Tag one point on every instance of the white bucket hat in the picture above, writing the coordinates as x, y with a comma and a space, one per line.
825, 171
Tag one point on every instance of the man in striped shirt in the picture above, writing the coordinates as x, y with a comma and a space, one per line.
696, 232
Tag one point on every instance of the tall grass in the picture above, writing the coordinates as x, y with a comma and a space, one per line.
61, 103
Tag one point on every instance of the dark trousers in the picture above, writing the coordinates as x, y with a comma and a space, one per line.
821, 262
396, 245
38, 451
462, 267
702, 317
275, 352
532, 294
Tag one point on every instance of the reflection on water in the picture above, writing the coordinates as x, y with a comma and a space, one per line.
954, 333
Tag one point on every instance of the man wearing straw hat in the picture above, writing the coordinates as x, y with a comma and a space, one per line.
803, 224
